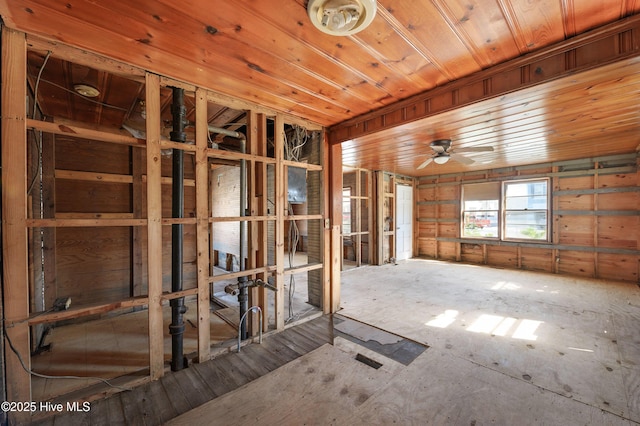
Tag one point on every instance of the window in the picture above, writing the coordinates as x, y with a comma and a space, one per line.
480, 210
346, 210
517, 210
526, 210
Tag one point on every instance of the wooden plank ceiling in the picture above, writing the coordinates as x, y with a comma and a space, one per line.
268, 53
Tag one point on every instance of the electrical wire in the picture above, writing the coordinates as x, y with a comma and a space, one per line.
292, 152
46, 376
73, 92
37, 135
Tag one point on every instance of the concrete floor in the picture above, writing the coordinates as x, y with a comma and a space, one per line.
505, 347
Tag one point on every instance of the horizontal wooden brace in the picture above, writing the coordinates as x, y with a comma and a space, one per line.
309, 167
242, 219
439, 203
84, 133
303, 268
237, 274
53, 316
83, 223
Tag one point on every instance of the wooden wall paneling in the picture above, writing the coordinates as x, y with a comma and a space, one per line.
533, 259
281, 208
202, 226
154, 226
555, 231
506, 256
613, 266
14, 211
472, 253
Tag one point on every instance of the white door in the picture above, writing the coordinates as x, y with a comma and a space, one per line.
404, 222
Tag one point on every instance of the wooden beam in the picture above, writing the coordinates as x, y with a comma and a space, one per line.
84, 133
14, 215
84, 311
84, 57
154, 226
530, 70
281, 208
335, 189
326, 228
202, 226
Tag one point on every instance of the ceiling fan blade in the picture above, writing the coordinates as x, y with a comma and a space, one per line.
475, 149
425, 164
462, 159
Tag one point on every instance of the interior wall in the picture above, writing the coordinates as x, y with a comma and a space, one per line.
595, 222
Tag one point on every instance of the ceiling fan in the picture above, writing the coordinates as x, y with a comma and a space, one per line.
443, 152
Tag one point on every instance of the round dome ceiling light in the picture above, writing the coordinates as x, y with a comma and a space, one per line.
86, 90
341, 17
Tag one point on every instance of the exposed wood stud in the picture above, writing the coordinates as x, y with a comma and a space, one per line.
14, 214
154, 226
202, 226
280, 207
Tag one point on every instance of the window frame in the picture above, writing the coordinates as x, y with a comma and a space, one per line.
505, 211
497, 211
502, 210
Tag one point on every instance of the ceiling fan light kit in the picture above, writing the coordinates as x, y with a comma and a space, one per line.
443, 152
341, 17
441, 159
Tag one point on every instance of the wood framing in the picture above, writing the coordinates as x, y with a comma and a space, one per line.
154, 227
202, 226
281, 208
14, 215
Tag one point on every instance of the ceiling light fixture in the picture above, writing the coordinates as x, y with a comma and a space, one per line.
341, 17
88, 85
441, 159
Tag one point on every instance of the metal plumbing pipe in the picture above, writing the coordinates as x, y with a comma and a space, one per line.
243, 294
243, 318
178, 309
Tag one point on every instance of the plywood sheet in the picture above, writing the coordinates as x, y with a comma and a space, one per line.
323, 386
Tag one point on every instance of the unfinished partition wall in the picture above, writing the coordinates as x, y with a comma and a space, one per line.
357, 217
89, 225
589, 226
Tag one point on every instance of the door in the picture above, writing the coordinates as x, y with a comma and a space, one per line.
404, 222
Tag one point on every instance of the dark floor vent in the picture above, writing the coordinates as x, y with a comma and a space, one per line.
366, 360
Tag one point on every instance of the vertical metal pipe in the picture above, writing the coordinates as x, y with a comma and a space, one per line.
176, 328
243, 295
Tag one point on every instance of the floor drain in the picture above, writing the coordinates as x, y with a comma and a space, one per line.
366, 360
